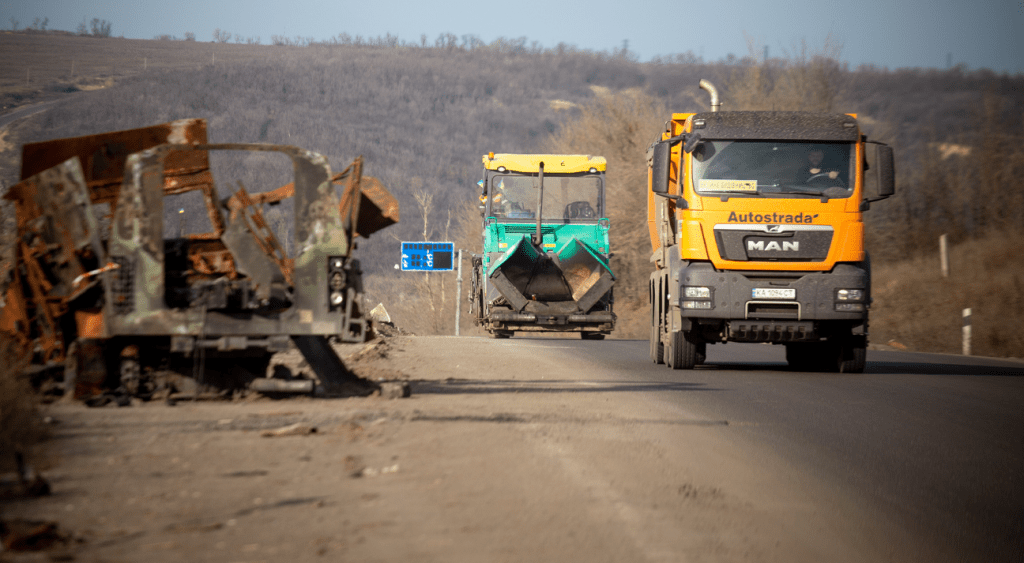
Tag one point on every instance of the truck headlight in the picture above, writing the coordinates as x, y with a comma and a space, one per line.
697, 297
693, 292
850, 295
336, 298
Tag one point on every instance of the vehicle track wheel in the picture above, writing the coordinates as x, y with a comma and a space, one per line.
680, 352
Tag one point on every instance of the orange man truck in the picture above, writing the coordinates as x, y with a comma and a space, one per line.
757, 234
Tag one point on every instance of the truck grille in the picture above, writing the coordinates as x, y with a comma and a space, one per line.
774, 243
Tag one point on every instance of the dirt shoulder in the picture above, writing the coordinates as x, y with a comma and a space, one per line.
504, 452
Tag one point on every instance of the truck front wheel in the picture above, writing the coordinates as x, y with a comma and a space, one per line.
852, 358
845, 357
681, 353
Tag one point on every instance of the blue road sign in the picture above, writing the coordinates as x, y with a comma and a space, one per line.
428, 256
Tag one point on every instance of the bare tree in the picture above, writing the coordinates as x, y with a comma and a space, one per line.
99, 28
804, 81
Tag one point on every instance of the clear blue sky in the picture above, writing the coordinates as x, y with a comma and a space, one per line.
886, 33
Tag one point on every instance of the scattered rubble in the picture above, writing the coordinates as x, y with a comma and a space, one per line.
297, 429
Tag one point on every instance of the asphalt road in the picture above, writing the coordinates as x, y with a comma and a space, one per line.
934, 442
22, 112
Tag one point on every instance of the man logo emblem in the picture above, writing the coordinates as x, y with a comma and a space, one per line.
769, 246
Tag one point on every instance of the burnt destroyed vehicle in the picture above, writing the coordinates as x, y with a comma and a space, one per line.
109, 291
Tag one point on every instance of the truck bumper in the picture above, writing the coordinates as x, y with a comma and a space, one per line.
773, 306
598, 321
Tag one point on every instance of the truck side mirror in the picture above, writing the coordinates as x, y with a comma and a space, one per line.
692, 141
880, 176
659, 167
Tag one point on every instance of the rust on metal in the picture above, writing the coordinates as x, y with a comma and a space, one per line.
103, 158
376, 210
365, 201
262, 233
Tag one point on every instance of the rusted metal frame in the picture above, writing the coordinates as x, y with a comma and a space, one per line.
174, 184
46, 310
103, 158
177, 183
274, 196
317, 204
263, 234
211, 261
354, 189
103, 155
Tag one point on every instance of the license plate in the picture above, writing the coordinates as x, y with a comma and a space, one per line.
774, 293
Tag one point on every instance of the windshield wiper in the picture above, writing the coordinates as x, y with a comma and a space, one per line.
774, 189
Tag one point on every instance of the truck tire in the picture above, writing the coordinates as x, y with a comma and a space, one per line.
702, 353
591, 335
657, 348
828, 357
680, 352
852, 358
502, 334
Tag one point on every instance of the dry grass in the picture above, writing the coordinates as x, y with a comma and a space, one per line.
38, 66
919, 309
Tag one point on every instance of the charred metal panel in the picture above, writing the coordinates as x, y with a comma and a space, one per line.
104, 156
262, 263
56, 225
377, 207
57, 252
320, 233
137, 233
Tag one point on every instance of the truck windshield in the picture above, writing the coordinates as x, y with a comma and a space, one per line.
765, 168
576, 197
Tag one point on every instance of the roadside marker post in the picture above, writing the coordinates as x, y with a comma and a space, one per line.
426, 256
967, 332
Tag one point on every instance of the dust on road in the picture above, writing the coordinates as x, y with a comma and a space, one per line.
506, 451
